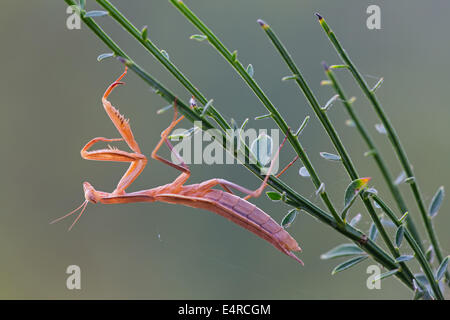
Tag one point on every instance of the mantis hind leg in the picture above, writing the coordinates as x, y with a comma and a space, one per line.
227, 185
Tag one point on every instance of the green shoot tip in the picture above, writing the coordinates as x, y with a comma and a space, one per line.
262, 24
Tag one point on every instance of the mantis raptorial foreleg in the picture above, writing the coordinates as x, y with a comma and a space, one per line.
138, 160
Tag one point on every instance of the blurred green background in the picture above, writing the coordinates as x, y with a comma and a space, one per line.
50, 95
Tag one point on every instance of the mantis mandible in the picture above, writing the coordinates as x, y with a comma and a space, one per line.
201, 195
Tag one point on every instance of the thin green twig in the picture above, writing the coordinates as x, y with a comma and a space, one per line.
415, 247
393, 137
376, 154
330, 130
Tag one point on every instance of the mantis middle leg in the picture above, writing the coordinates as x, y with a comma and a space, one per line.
205, 186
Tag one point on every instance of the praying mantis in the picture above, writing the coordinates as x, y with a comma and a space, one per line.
201, 195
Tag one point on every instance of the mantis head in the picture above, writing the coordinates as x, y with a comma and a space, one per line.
91, 195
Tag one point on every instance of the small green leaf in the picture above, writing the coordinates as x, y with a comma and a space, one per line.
399, 236
403, 217
156, 91
82, 4
286, 78
355, 220
338, 66
429, 254
418, 294
342, 250
353, 190
422, 279
371, 191
207, 105
442, 268
401, 178
388, 223
330, 102
273, 195
289, 219
321, 189
380, 128
348, 264
410, 180
415, 285
261, 147
373, 232
234, 124
234, 56
404, 258
198, 37
250, 70
183, 135
303, 172
377, 85
242, 128
144, 33
164, 109
350, 123
330, 156
370, 153
95, 13
436, 202
235, 134
165, 54
426, 287
104, 56
384, 275
326, 83
302, 126
351, 100
264, 116
376, 204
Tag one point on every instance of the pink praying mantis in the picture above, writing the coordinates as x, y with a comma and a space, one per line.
201, 195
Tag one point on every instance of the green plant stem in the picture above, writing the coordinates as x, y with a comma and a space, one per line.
294, 199
393, 137
152, 48
415, 247
376, 154
232, 59
334, 137
299, 201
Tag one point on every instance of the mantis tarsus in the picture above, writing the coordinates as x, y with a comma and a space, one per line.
201, 195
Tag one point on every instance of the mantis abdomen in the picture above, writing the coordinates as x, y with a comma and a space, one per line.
242, 213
